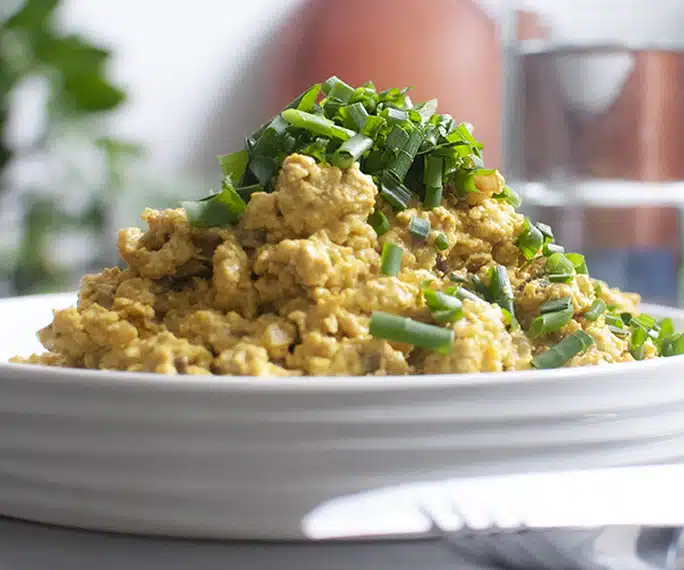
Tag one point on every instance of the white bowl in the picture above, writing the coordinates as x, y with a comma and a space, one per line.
236, 457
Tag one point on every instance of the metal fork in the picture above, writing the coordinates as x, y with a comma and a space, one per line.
551, 530
519, 548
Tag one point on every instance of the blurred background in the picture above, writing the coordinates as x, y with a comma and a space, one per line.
107, 107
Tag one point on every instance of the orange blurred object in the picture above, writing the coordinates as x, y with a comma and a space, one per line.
449, 49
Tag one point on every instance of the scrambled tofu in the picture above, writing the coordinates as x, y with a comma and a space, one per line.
290, 289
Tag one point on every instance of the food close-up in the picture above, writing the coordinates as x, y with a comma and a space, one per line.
356, 233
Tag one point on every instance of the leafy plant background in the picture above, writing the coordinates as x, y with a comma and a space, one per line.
67, 176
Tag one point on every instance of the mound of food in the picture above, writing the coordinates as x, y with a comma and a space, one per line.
354, 234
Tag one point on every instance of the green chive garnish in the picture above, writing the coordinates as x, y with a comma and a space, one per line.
434, 166
614, 321
379, 222
637, 342
373, 126
390, 259
546, 231
556, 305
598, 307
500, 288
351, 151
399, 166
618, 331
419, 227
673, 345
445, 308
338, 90
217, 210
481, 289
646, 322
397, 196
234, 164
402, 329
510, 196
578, 263
559, 354
463, 294
530, 240
441, 242
550, 322
665, 331
354, 116
559, 268
316, 124
551, 248
395, 116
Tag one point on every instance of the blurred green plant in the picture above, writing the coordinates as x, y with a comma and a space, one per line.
79, 94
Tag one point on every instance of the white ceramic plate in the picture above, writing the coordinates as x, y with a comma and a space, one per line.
249, 457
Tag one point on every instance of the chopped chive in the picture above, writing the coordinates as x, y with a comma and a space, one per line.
390, 259
546, 231
556, 305
397, 196
245, 192
419, 227
559, 268
550, 322
434, 165
618, 331
559, 354
307, 100
464, 181
331, 108
637, 343
665, 331
328, 84
340, 91
615, 321
334, 87
397, 139
673, 345
456, 278
433, 197
646, 322
510, 196
578, 262
598, 307
379, 222
530, 240
402, 329
234, 165
666, 327
426, 110
317, 149
217, 210
354, 116
482, 289
399, 166
396, 116
372, 126
436, 300
441, 242
263, 168
463, 294
351, 151
551, 248
501, 290
561, 277
316, 124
